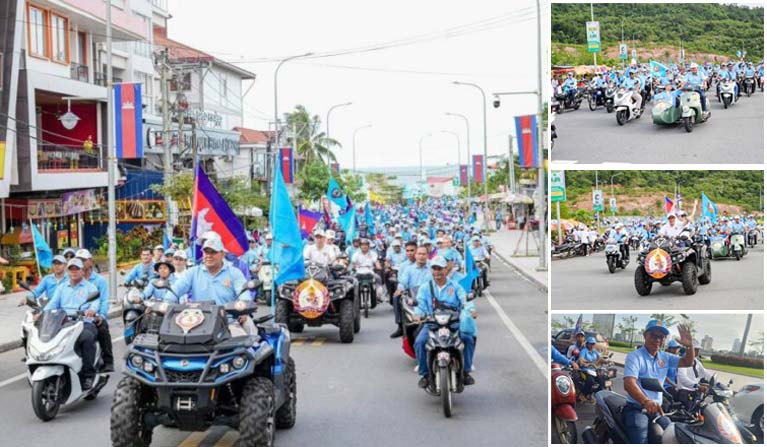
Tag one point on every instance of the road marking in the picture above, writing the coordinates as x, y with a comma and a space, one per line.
194, 439
297, 342
319, 341
565, 161
542, 365
228, 439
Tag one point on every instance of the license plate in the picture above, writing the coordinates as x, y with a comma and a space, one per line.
185, 403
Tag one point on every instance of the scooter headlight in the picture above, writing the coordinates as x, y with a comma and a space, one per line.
563, 384
442, 319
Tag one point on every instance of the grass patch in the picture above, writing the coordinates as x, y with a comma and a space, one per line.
622, 349
751, 372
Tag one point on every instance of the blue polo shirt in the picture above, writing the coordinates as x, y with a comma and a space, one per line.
200, 285
589, 356
48, 285
640, 364
72, 298
103, 287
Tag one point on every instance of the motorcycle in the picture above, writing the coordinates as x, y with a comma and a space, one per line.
265, 277
410, 328
444, 352
626, 109
563, 415
614, 256
596, 97
194, 374
753, 237
738, 246
366, 284
686, 109
53, 363
610, 97
569, 101
480, 282
727, 92
133, 308
391, 281
749, 85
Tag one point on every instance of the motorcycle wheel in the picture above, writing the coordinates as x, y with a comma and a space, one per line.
737, 255
726, 102
748, 92
257, 413
566, 432
577, 105
610, 109
758, 420
365, 303
592, 105
282, 311
642, 285
611, 265
126, 426
688, 124
444, 391
689, 278
45, 401
705, 278
621, 116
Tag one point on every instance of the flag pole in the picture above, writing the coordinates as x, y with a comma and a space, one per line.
34, 244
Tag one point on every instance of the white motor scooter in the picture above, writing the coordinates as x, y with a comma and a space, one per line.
626, 109
727, 93
52, 363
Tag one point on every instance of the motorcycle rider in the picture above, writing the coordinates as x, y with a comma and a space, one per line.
479, 254
670, 384
144, 269
157, 253
698, 82
588, 358
51, 281
650, 362
580, 344
70, 296
218, 281
570, 87
396, 256
440, 292
633, 84
367, 258
688, 379
251, 255
319, 252
102, 320
598, 84
330, 241
179, 263
410, 279
265, 251
354, 248
733, 76
165, 271
556, 357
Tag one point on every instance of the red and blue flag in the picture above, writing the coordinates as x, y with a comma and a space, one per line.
336, 168
670, 207
527, 141
307, 220
210, 212
128, 124
286, 164
478, 168
464, 175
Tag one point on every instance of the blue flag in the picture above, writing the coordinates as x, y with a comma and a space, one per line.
336, 194
369, 221
348, 222
42, 250
657, 69
471, 271
166, 242
287, 246
708, 208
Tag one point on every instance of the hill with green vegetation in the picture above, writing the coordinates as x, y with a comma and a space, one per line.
705, 31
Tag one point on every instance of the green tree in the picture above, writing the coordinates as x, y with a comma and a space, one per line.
628, 326
313, 180
311, 145
757, 344
668, 320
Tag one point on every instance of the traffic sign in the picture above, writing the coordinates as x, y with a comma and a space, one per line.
558, 190
597, 200
593, 42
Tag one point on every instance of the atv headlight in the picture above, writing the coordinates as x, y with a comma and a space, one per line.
137, 361
148, 367
238, 362
563, 384
224, 368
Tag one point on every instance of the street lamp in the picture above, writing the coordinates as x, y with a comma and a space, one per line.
612, 191
327, 126
468, 151
484, 147
354, 146
420, 156
277, 120
677, 191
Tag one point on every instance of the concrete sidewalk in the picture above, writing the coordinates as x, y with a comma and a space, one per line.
11, 314
520, 253
738, 380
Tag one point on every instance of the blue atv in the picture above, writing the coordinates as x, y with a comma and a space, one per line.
192, 374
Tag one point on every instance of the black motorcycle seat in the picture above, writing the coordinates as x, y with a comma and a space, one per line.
612, 405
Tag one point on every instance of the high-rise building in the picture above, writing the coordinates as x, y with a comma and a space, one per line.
707, 344
735, 345
604, 324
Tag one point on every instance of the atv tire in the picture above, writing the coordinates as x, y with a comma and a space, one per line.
282, 312
286, 415
126, 422
346, 323
689, 278
705, 278
257, 415
642, 284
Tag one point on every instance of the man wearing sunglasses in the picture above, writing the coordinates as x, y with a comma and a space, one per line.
650, 361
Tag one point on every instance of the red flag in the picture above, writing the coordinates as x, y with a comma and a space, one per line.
478, 168
286, 164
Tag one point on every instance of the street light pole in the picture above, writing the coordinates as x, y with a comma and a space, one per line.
354, 147
542, 255
468, 152
277, 122
484, 145
612, 191
111, 162
327, 128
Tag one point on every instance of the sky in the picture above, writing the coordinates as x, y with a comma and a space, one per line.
401, 105
724, 328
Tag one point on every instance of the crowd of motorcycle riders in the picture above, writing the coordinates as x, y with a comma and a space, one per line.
416, 251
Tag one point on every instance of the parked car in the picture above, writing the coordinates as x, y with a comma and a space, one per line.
565, 338
748, 404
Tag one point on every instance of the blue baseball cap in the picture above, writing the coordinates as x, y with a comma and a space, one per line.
591, 340
656, 325
673, 344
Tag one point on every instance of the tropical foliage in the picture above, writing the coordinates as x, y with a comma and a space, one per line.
311, 144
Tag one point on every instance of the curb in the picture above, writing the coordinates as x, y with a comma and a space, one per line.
11, 345
522, 272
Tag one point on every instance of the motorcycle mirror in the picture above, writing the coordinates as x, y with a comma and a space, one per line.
651, 384
122, 272
160, 284
730, 382
31, 302
24, 286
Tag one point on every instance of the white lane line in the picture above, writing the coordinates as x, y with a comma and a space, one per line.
542, 365
23, 375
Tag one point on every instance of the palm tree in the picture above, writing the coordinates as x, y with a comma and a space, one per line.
311, 145
668, 320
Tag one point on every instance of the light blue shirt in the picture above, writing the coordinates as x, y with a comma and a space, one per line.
412, 277
640, 365
452, 294
161, 294
71, 298
139, 271
695, 80
103, 287
48, 285
396, 258
202, 286
479, 253
589, 356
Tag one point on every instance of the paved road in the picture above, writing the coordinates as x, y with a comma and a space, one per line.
585, 283
359, 394
734, 136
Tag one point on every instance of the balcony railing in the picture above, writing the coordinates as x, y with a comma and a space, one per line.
63, 158
78, 72
101, 79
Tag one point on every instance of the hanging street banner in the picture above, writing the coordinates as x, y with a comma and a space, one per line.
464, 175
558, 189
623, 52
613, 204
593, 43
478, 165
527, 140
76, 202
286, 164
128, 122
597, 200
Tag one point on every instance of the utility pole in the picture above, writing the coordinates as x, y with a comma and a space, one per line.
596, 182
512, 180
539, 32
166, 131
111, 162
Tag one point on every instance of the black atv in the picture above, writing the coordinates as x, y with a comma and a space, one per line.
194, 374
328, 295
666, 260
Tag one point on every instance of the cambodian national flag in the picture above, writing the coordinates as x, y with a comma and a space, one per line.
336, 168
307, 220
478, 165
527, 140
286, 164
210, 212
670, 207
128, 124
464, 174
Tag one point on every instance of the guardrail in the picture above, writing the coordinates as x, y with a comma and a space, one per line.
56, 157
